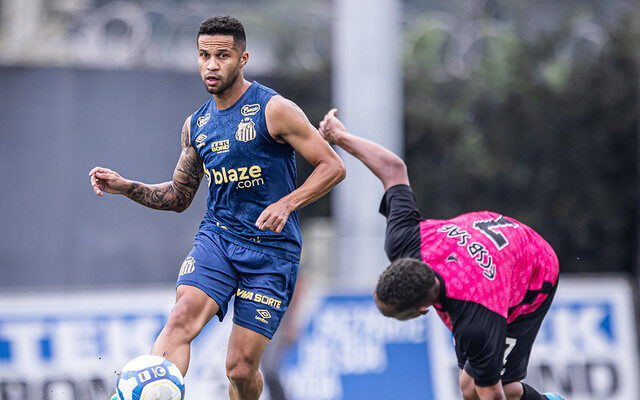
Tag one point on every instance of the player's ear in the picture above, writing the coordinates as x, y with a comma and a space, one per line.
244, 58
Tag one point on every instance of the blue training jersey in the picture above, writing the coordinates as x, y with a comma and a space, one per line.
246, 170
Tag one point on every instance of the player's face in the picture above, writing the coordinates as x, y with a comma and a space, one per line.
403, 315
219, 62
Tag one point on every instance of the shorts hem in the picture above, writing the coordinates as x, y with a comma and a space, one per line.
255, 328
222, 312
485, 383
512, 380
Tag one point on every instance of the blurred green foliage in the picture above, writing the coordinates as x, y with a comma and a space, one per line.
523, 108
539, 126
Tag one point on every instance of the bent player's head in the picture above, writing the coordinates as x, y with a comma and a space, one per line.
405, 289
221, 52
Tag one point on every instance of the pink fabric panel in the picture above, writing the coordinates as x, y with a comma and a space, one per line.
488, 259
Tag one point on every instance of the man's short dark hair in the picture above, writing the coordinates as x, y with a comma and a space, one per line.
406, 283
225, 25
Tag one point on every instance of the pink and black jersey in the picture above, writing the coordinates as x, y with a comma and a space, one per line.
497, 276
491, 260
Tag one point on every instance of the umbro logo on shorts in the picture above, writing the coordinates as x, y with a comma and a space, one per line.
263, 315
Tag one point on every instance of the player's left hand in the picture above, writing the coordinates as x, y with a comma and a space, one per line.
274, 217
331, 128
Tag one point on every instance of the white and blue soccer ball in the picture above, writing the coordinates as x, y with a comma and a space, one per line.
150, 378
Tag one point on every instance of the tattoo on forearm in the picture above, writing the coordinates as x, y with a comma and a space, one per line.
159, 197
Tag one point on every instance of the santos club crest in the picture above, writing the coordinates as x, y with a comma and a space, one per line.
246, 130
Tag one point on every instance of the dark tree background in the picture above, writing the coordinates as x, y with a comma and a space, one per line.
541, 125
536, 118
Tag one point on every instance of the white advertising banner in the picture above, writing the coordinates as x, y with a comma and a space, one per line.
68, 345
586, 348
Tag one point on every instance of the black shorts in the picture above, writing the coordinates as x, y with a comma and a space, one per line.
488, 350
402, 237
522, 332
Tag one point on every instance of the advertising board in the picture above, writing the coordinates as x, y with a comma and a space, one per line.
69, 345
586, 348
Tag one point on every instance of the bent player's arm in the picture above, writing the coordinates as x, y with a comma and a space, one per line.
288, 123
175, 195
387, 166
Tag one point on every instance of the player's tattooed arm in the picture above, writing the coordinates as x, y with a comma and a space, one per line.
175, 195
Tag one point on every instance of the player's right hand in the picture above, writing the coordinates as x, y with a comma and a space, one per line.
331, 128
106, 180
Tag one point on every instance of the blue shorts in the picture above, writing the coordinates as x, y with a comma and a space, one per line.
263, 283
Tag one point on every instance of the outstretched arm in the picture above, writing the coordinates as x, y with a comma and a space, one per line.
175, 195
383, 163
287, 123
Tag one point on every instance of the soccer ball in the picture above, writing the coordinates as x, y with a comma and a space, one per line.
150, 378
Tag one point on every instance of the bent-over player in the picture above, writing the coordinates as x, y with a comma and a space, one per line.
490, 278
243, 140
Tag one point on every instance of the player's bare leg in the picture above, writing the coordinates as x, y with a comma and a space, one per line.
467, 386
472, 392
243, 361
193, 309
513, 390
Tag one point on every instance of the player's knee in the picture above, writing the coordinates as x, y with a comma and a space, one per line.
240, 370
513, 391
468, 393
468, 388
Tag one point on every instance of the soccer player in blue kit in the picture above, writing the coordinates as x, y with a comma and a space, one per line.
243, 140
